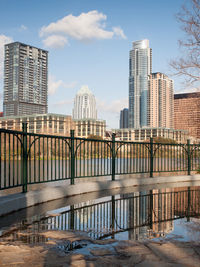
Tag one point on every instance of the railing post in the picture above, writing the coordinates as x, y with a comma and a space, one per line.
25, 158
72, 217
151, 157
113, 156
72, 157
189, 204
189, 156
113, 217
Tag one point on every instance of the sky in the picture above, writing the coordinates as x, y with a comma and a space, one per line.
89, 43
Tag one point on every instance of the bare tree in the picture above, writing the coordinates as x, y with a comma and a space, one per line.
188, 64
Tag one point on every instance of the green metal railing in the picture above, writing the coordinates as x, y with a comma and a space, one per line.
29, 158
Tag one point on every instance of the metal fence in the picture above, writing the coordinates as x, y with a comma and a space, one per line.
28, 158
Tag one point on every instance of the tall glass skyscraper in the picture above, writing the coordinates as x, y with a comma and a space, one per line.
140, 66
25, 80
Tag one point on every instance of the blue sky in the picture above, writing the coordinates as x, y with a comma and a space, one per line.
89, 42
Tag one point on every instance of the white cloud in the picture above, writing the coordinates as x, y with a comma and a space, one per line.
23, 28
119, 32
55, 41
54, 85
3, 40
113, 107
85, 27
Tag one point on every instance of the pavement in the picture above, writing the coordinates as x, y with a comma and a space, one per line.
69, 248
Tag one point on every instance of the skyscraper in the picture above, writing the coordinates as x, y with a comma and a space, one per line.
123, 123
25, 80
140, 66
160, 101
84, 105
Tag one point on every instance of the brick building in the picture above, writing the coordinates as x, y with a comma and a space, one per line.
187, 113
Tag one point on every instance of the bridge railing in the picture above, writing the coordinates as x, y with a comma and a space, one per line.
29, 158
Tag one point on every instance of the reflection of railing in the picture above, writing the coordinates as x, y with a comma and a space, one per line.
28, 158
157, 211
139, 214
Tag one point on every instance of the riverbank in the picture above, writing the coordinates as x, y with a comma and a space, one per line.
62, 189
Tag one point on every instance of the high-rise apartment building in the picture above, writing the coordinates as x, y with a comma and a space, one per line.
123, 123
140, 66
84, 105
160, 101
187, 113
25, 80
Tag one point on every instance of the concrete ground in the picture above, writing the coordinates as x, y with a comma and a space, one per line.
68, 248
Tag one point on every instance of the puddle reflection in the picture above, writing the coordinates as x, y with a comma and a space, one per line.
138, 215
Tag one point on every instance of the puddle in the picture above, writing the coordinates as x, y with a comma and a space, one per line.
157, 214
71, 246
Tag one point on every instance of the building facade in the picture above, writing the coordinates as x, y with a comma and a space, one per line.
160, 101
140, 66
25, 80
84, 105
90, 127
40, 123
123, 123
187, 113
142, 134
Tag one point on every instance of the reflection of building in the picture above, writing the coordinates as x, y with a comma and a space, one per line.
160, 101
150, 213
187, 113
87, 127
138, 215
25, 80
84, 105
142, 134
123, 123
187, 201
140, 66
41, 123
163, 212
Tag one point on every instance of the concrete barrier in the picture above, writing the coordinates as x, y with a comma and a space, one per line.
19, 201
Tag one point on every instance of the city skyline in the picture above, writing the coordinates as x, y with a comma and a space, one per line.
97, 56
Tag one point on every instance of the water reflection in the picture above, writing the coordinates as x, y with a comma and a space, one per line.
139, 215
149, 213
